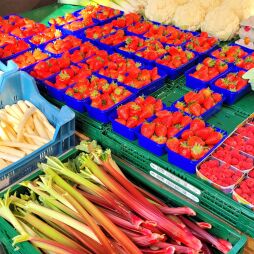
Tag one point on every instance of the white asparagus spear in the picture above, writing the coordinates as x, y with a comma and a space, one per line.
19, 145
10, 111
22, 105
39, 127
12, 151
8, 157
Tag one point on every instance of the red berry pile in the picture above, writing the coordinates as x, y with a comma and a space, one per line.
247, 63
219, 173
133, 44
241, 143
246, 190
196, 141
246, 130
166, 125
234, 157
197, 103
136, 112
232, 82
114, 39
126, 20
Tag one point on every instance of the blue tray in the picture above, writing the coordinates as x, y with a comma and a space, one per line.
23, 87
194, 83
216, 108
190, 165
175, 73
231, 97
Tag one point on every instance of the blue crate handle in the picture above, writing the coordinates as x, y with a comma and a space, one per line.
10, 67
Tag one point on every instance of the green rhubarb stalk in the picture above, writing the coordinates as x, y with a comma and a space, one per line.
98, 216
48, 231
50, 245
38, 209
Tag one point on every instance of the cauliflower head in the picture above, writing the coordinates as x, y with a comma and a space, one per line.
242, 8
221, 23
209, 5
181, 2
160, 10
189, 16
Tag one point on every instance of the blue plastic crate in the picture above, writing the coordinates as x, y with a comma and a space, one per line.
231, 97
190, 165
194, 83
175, 73
18, 85
210, 112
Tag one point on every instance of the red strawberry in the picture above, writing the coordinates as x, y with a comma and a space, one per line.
195, 109
214, 138
159, 140
187, 134
193, 140
147, 129
132, 122
123, 112
173, 144
121, 121
197, 124
197, 151
204, 133
160, 130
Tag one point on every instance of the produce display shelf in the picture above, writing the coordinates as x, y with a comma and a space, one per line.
220, 229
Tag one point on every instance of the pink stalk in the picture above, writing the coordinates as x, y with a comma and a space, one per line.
55, 246
223, 246
178, 248
142, 206
144, 240
204, 225
206, 249
119, 248
177, 210
168, 250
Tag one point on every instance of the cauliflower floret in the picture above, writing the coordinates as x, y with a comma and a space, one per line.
160, 10
221, 23
242, 8
209, 5
189, 16
181, 2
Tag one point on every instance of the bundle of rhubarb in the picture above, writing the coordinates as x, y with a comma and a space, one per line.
23, 129
88, 206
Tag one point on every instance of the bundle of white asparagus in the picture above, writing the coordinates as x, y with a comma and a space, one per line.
23, 129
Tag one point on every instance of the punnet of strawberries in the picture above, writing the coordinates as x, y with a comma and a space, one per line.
28, 30
166, 125
69, 76
151, 54
134, 113
97, 32
126, 20
114, 39
247, 130
195, 142
106, 99
47, 68
246, 190
229, 54
13, 48
59, 21
30, 57
241, 143
197, 103
61, 45
133, 44
232, 82
201, 43
234, 157
209, 69
86, 87
220, 173
247, 63
175, 57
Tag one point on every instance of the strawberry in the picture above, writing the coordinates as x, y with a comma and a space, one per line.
123, 112
214, 138
159, 140
173, 144
195, 109
185, 151
147, 129
160, 130
132, 122
204, 133
197, 124
187, 134
197, 151
193, 140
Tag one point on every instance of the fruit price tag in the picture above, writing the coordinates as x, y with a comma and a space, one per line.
175, 179
4, 183
174, 186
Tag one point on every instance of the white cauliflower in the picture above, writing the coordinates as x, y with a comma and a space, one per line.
209, 5
221, 23
160, 10
189, 16
242, 8
181, 2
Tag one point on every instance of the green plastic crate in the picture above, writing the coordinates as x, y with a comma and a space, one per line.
220, 229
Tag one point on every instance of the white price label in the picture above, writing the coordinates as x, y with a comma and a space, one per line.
4, 183
174, 186
175, 178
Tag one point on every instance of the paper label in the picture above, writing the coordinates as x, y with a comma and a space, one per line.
174, 186
175, 179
